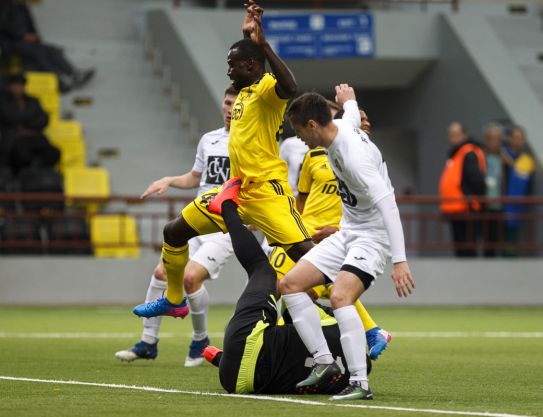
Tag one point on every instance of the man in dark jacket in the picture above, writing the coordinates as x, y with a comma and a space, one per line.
19, 36
22, 121
463, 177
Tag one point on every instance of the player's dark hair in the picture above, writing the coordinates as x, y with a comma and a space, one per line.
309, 106
247, 49
230, 90
333, 105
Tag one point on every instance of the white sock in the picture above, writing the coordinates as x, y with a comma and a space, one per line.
198, 304
151, 326
306, 319
353, 343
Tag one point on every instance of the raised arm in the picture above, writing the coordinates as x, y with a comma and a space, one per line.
252, 28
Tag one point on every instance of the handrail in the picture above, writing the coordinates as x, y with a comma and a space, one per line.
426, 229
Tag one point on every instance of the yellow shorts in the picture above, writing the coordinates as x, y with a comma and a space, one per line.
269, 205
281, 262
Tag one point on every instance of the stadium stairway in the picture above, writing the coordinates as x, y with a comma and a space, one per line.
506, 49
128, 112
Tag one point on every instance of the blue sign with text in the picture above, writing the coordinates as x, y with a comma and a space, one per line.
320, 35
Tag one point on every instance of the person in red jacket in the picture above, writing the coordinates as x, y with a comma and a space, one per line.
463, 177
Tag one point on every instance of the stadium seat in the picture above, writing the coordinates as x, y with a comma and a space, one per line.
114, 236
86, 182
72, 153
61, 130
41, 82
44, 86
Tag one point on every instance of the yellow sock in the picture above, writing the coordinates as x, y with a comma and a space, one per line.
367, 321
174, 260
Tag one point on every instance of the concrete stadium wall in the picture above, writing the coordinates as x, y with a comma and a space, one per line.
70, 281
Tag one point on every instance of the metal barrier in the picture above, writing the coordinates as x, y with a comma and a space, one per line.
427, 232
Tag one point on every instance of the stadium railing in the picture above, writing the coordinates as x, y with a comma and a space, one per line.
426, 229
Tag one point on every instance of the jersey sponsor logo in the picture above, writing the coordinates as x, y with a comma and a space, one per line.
346, 196
330, 189
211, 259
237, 111
218, 170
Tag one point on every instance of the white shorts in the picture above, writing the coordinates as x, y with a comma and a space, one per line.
347, 248
211, 251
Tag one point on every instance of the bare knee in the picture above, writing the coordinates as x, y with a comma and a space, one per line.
341, 298
194, 277
288, 285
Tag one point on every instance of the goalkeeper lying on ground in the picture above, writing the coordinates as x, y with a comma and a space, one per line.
258, 355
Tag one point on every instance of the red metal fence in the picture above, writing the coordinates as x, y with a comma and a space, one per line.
33, 223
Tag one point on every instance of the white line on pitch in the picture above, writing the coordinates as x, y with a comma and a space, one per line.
75, 335
262, 398
127, 335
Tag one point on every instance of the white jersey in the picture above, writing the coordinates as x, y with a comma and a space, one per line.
292, 150
362, 179
212, 159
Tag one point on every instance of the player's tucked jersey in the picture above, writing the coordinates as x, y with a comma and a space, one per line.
212, 160
362, 179
292, 150
323, 204
257, 117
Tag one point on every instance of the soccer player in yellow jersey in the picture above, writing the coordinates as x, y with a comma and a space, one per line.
265, 198
320, 205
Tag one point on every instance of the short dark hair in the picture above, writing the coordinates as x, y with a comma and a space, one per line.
230, 90
247, 49
333, 105
309, 106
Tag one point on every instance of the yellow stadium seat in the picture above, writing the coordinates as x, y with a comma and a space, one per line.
44, 86
91, 183
51, 106
86, 182
64, 130
114, 236
72, 154
41, 82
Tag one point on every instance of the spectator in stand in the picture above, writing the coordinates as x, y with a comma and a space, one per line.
463, 177
519, 181
22, 121
493, 226
19, 36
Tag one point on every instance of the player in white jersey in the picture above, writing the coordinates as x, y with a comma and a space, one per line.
370, 231
207, 254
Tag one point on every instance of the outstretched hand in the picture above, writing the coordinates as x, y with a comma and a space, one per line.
157, 187
252, 23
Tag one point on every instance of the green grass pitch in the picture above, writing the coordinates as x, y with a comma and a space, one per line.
464, 367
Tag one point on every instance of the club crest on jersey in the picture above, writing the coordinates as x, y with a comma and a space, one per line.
237, 111
218, 170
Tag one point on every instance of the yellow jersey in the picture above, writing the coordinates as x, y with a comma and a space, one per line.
323, 203
255, 127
